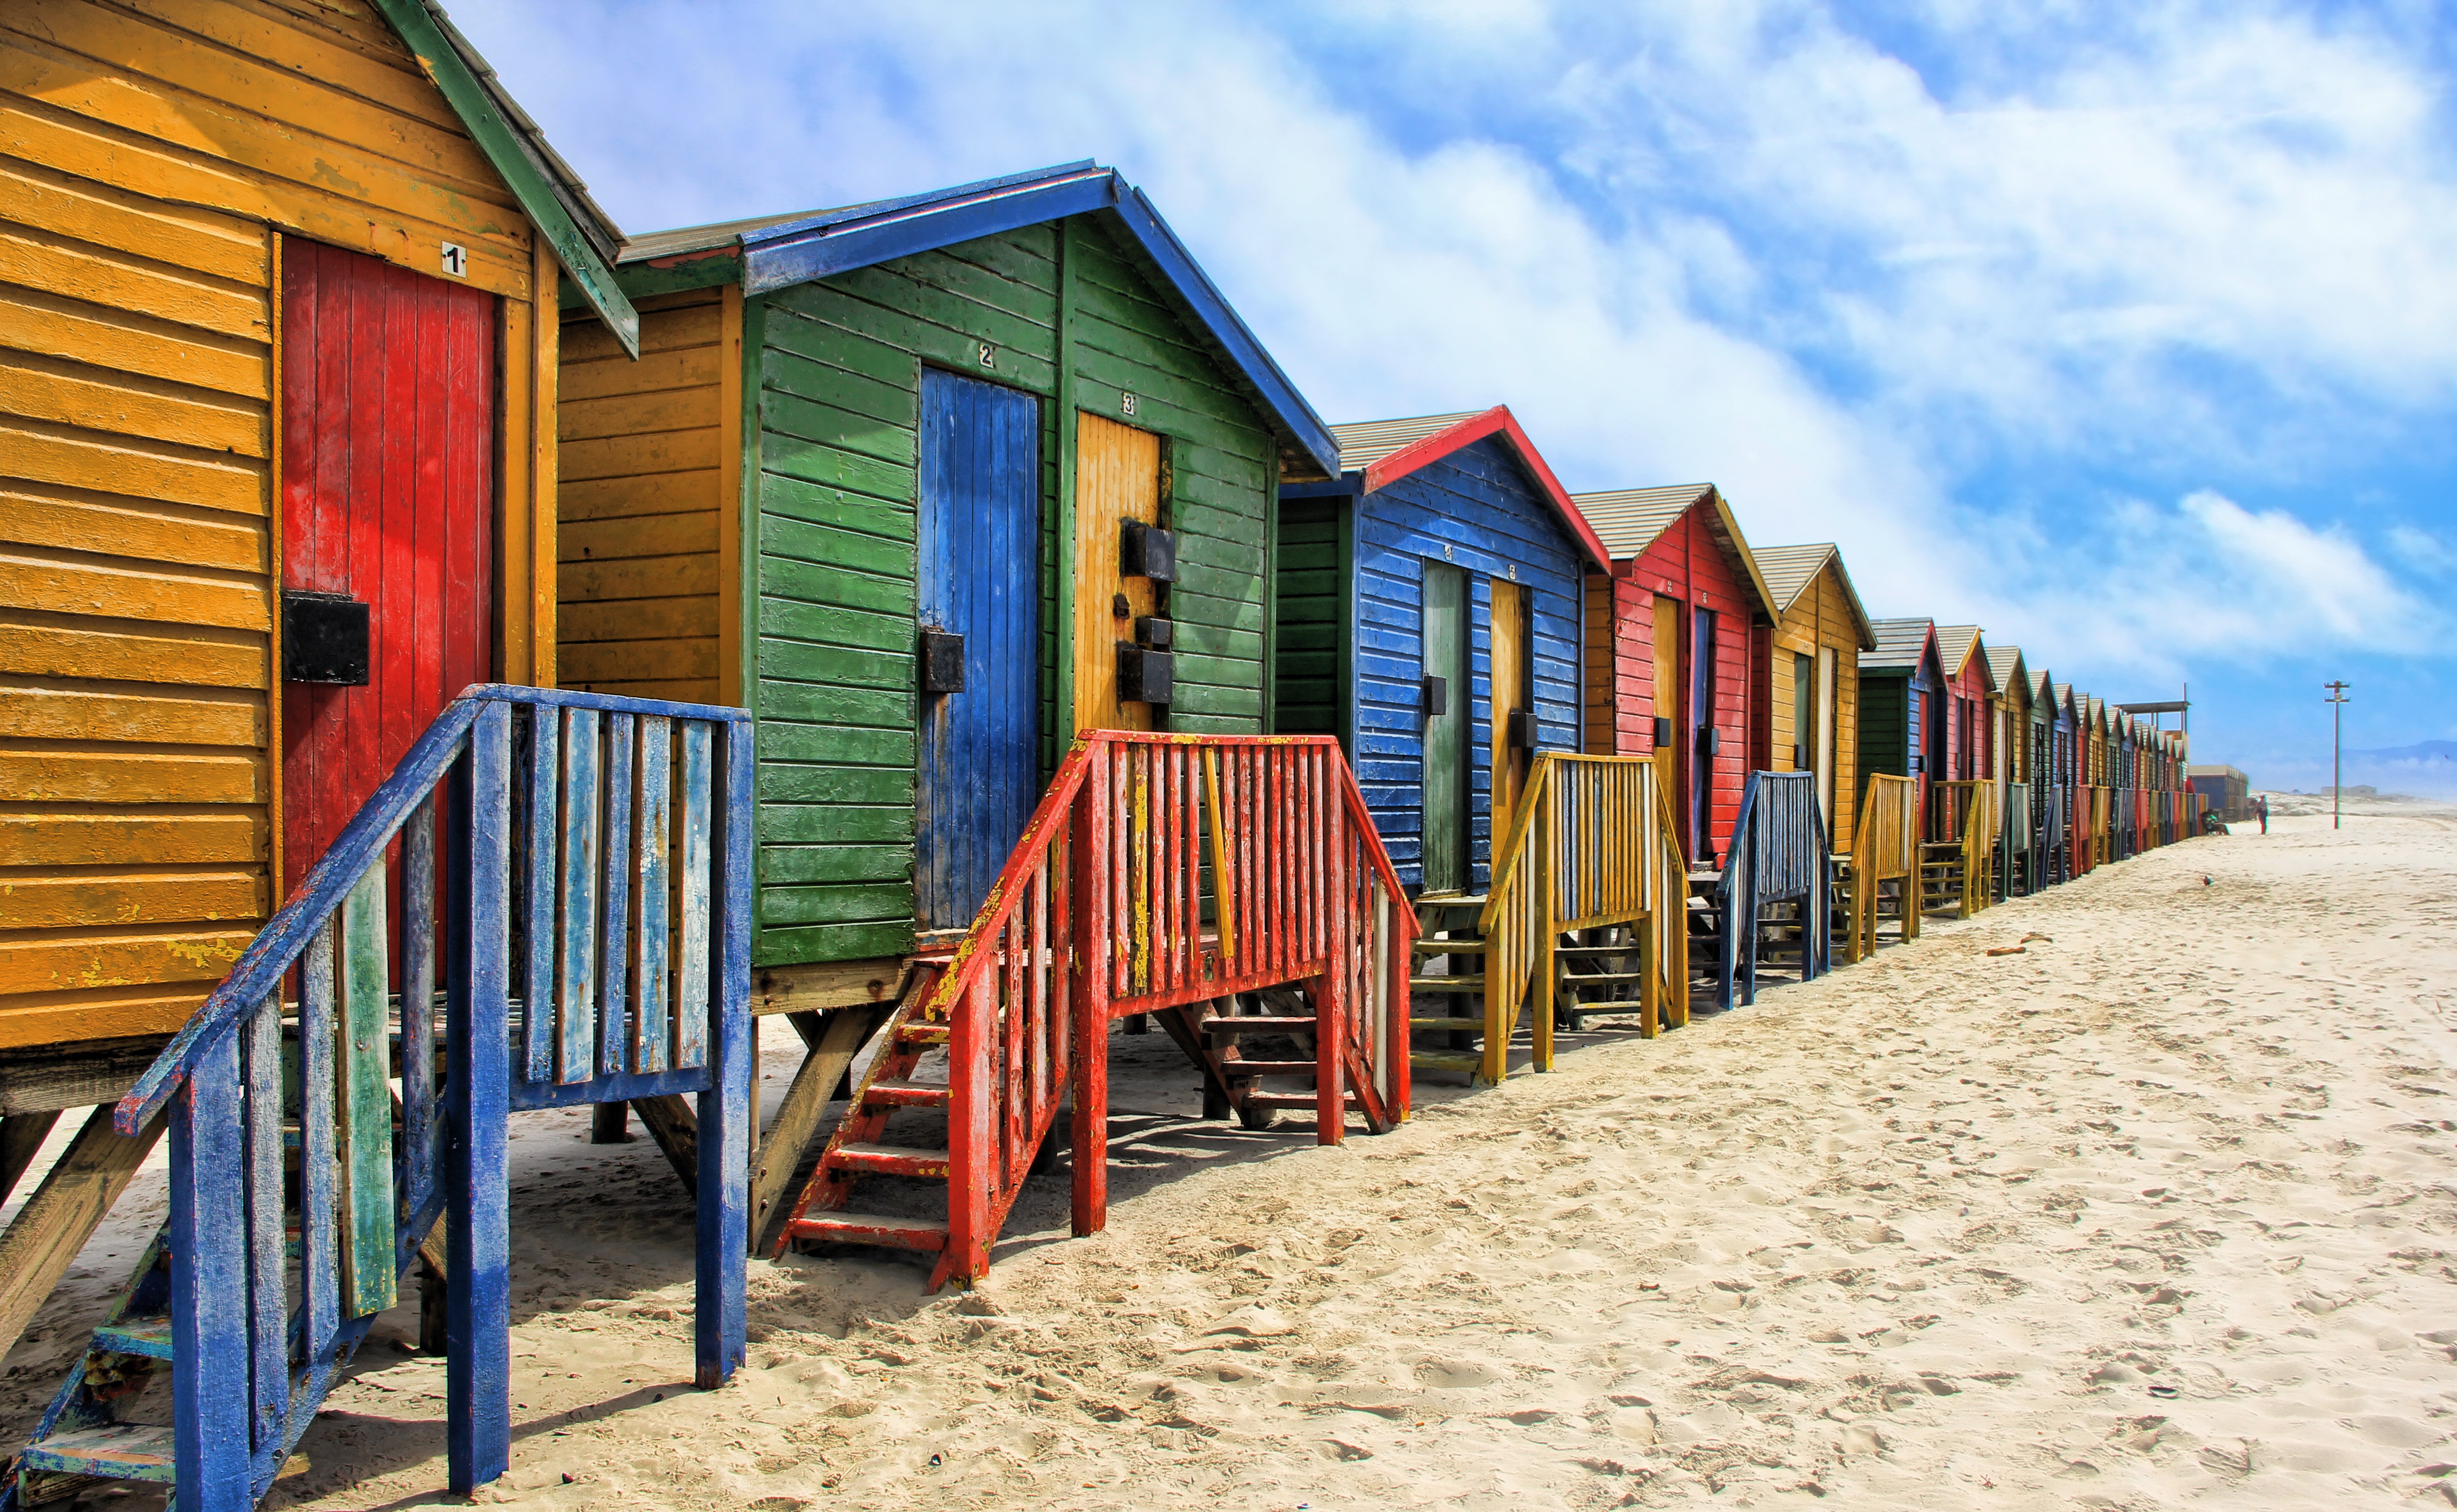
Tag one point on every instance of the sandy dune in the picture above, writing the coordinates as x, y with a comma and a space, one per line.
2154, 1213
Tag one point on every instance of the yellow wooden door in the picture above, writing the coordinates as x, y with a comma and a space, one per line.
1671, 763
1117, 478
1509, 692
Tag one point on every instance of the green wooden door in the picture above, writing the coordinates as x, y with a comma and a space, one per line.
1446, 733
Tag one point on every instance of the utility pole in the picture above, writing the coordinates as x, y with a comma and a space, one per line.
2337, 702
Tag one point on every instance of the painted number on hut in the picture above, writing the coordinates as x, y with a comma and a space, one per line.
1126, 404
987, 353
456, 259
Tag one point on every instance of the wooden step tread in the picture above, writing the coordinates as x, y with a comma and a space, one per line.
890, 1160
1450, 946
893, 1092
1258, 1023
1474, 984
1457, 1025
1446, 1061
120, 1451
871, 1228
925, 1033
1450, 901
1629, 949
1291, 1099
149, 1337
1268, 1067
1601, 979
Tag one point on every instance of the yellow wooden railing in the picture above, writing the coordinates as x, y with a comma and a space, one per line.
1967, 812
1591, 846
1884, 849
2102, 825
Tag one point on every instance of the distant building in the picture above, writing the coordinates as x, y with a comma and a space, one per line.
2228, 790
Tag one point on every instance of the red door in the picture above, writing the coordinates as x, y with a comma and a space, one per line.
387, 496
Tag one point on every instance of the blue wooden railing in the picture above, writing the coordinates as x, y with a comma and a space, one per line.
1778, 853
585, 910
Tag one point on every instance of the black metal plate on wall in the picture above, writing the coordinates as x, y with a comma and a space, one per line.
1662, 730
1151, 630
1522, 729
1147, 551
943, 661
324, 638
1437, 697
1710, 741
1146, 676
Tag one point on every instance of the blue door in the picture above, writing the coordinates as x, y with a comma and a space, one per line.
980, 550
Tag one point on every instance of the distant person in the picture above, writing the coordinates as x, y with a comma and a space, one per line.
2262, 803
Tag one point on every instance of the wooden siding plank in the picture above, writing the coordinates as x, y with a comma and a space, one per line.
45, 651
86, 900
133, 469
113, 279
109, 220
53, 775
91, 336
110, 528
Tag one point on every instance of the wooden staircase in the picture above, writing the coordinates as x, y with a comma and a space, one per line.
1230, 887
1447, 1022
302, 1190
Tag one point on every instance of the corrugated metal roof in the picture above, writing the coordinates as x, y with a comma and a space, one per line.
704, 239
594, 222
1364, 443
1789, 569
2004, 662
1954, 644
1900, 643
1628, 520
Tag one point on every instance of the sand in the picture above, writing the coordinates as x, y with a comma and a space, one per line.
2154, 1213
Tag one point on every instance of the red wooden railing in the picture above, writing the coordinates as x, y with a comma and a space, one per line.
1160, 871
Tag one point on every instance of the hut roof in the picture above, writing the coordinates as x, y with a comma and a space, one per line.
1386, 450
2005, 668
1628, 520
1954, 644
583, 237
1789, 569
1901, 644
779, 251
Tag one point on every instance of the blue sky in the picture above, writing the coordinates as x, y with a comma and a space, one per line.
2125, 330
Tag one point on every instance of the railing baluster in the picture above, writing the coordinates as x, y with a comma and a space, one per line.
366, 1105
268, 1310
617, 878
418, 962
577, 999
653, 940
692, 894
319, 1264
543, 872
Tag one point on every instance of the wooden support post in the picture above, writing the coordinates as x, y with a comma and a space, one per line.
21, 1138
610, 1123
671, 1122
38, 1249
839, 1038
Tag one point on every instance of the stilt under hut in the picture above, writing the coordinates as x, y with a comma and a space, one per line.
1430, 615
2017, 818
1805, 709
1958, 836
1900, 751
969, 498
279, 469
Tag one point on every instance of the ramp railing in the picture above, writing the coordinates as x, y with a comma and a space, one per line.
1778, 853
1885, 850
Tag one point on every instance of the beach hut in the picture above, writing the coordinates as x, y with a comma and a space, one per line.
2009, 675
1902, 736
237, 588
2051, 798
2223, 790
1668, 647
1959, 827
932, 487
1430, 615
1804, 698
